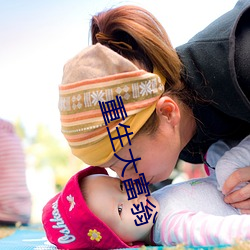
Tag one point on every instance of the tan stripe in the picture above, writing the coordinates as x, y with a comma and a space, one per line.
96, 106
83, 139
71, 118
95, 121
141, 104
109, 84
88, 142
80, 126
70, 132
111, 78
85, 136
83, 115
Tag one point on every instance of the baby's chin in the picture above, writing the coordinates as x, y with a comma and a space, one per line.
154, 202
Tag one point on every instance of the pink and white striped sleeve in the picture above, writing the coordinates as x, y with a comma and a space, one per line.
15, 200
201, 229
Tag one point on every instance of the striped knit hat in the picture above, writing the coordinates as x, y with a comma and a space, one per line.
99, 74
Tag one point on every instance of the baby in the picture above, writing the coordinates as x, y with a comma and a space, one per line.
93, 210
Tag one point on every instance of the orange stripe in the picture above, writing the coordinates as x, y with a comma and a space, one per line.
140, 104
102, 79
80, 137
98, 113
81, 116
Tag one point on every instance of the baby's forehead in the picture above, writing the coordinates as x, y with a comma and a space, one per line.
97, 177
88, 183
98, 183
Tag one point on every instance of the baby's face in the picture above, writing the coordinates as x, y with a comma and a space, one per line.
108, 200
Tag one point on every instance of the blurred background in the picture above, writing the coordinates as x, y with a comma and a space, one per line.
36, 39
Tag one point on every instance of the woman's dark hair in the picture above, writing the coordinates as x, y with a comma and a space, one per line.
136, 34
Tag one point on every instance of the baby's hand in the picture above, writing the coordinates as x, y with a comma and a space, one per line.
240, 198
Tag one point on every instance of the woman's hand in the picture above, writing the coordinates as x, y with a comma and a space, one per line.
240, 198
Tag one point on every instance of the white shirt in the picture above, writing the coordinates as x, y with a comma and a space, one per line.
194, 212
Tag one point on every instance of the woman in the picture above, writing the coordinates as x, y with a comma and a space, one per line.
206, 94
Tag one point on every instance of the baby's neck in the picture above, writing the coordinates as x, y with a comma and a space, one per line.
148, 239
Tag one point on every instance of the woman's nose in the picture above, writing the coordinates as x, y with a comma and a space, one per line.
129, 174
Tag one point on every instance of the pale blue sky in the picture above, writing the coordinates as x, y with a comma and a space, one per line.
38, 37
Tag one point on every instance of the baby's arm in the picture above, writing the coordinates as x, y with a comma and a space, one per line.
214, 153
237, 157
201, 229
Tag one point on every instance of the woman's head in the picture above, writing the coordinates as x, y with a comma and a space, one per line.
136, 34
99, 79
134, 43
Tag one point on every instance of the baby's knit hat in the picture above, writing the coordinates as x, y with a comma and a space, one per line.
69, 223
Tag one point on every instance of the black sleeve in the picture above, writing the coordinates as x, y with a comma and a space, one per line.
217, 58
242, 53
217, 66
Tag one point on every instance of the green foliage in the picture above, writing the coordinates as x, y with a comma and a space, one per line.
45, 150
20, 130
48, 150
